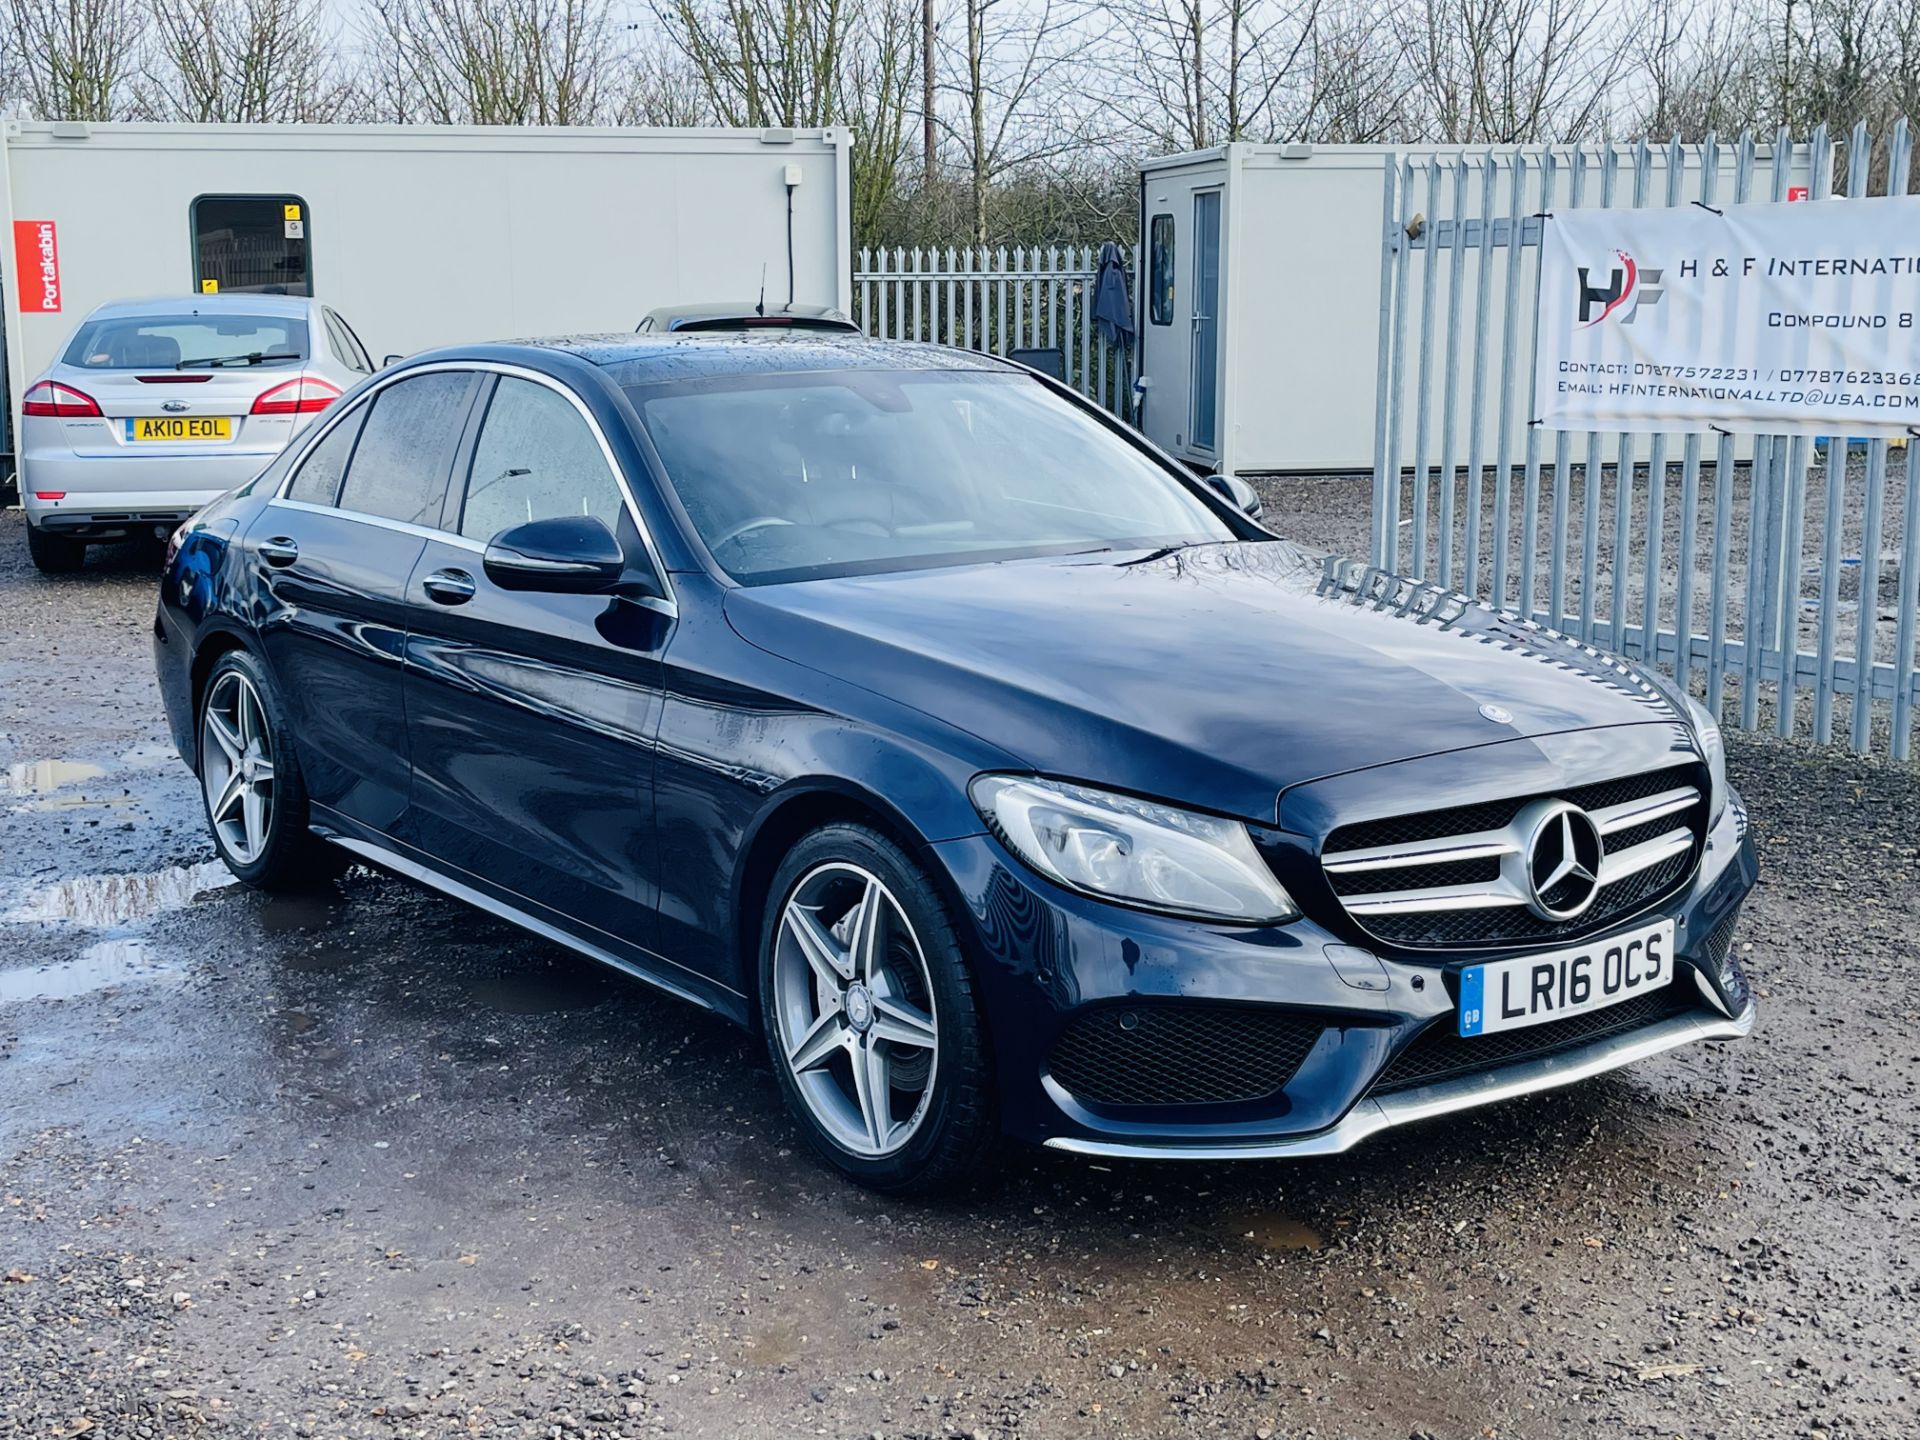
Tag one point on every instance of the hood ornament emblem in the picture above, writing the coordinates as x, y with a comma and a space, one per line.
1498, 714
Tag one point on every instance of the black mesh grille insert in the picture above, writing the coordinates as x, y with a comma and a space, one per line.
1512, 924
1439, 1053
1719, 954
1162, 1054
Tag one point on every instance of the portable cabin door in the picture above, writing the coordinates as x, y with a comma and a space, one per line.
1180, 343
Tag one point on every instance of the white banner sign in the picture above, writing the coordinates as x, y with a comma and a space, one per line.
1761, 318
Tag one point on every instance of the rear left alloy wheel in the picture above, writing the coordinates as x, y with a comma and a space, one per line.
250, 779
870, 1017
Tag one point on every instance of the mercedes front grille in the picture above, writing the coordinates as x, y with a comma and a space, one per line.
1460, 878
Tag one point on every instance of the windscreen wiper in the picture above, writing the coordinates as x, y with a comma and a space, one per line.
253, 358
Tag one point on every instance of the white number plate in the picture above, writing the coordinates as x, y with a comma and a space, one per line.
1533, 989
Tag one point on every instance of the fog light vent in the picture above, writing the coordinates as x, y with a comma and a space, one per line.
1181, 1054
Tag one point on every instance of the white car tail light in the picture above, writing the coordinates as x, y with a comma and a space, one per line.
304, 396
50, 397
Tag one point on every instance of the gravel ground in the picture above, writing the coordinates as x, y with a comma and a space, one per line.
369, 1164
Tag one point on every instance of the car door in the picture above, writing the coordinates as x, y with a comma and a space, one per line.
531, 716
333, 553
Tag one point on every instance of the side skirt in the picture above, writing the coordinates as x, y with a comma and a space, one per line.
386, 859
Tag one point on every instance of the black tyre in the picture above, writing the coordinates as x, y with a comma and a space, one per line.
54, 554
250, 782
870, 1017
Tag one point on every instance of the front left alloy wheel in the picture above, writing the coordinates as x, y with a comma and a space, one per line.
870, 1018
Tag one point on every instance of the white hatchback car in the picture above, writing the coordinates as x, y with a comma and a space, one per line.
156, 407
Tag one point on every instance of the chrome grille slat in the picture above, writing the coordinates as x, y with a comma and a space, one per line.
1440, 897
1648, 853
1639, 812
1418, 887
1432, 852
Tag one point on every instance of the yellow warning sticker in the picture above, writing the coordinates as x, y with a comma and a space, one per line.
290, 212
209, 287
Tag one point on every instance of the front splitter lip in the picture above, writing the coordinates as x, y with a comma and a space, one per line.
1463, 1092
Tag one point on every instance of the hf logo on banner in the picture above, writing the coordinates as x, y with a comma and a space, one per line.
1625, 292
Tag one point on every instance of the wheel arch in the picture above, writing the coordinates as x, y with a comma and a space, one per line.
792, 813
205, 656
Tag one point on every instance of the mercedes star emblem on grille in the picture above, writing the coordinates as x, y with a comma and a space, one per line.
1563, 862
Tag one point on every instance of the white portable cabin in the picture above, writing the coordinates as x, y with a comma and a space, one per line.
418, 235
1259, 295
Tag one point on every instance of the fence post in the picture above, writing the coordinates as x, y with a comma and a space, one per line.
1385, 365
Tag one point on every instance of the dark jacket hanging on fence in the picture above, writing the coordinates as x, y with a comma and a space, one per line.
1112, 310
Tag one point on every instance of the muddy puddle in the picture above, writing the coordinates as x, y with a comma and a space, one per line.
43, 777
1275, 1231
99, 967
105, 902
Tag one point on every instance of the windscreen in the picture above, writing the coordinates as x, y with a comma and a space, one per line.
188, 342
789, 476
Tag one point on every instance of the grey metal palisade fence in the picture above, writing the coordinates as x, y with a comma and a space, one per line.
1776, 576
997, 300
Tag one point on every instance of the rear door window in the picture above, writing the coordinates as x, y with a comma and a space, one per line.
318, 479
399, 469
536, 458
258, 244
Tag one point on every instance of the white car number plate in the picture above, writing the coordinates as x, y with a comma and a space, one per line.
1533, 989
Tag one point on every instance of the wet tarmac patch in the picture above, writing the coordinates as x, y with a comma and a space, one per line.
540, 992
103, 902
98, 967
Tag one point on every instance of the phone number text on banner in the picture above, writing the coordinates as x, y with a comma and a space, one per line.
1758, 318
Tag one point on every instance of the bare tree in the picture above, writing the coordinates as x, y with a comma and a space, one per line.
1214, 71
1012, 73
489, 62
1502, 71
73, 59
763, 62
250, 61
1360, 79
658, 87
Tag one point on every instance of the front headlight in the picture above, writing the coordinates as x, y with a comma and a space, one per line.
1134, 851
1707, 730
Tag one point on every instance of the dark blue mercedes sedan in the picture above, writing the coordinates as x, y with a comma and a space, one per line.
1007, 778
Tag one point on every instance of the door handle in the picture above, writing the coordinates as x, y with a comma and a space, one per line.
280, 550
448, 587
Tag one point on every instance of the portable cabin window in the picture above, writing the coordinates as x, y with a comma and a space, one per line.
251, 245
1160, 271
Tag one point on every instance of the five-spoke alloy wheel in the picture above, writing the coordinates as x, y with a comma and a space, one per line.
869, 1014
236, 766
856, 1014
250, 777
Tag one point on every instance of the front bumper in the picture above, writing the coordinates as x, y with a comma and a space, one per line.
1051, 959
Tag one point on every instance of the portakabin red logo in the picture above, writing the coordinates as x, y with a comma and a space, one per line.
1628, 288
36, 266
